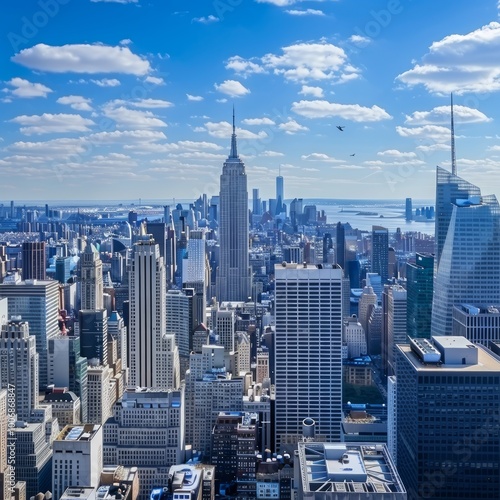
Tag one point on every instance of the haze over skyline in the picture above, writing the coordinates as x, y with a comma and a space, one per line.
128, 99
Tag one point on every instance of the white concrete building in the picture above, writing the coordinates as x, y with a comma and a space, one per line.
77, 458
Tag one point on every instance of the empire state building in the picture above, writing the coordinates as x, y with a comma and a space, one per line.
234, 276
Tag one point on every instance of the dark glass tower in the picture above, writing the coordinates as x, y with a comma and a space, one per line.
380, 252
340, 245
34, 260
419, 279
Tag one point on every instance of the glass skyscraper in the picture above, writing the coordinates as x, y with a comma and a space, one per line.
469, 267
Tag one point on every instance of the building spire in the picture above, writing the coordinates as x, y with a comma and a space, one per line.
234, 152
453, 159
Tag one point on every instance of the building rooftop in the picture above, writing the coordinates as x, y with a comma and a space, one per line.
78, 492
486, 360
78, 432
476, 309
357, 468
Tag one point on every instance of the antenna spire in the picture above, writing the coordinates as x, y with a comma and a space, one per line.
453, 158
234, 152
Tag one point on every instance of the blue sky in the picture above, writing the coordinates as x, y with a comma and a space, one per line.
128, 99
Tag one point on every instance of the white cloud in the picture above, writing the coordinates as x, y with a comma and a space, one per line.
258, 121
127, 137
353, 112
77, 102
206, 20
24, 88
394, 153
321, 157
132, 118
244, 67
55, 148
433, 147
441, 114
223, 130
195, 145
460, 63
232, 88
194, 97
49, 123
199, 155
310, 61
107, 82
271, 153
222, 101
306, 12
82, 58
292, 127
360, 40
143, 103
278, 3
125, 41
155, 80
314, 91
432, 132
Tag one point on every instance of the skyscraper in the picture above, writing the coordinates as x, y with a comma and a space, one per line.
380, 252
234, 276
280, 196
91, 279
448, 400
19, 367
408, 210
419, 284
449, 188
308, 373
340, 245
34, 260
37, 302
94, 335
148, 347
396, 325
469, 268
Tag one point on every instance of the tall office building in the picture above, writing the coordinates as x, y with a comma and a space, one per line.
327, 249
280, 195
37, 302
340, 245
67, 368
419, 285
469, 268
408, 210
148, 347
449, 188
118, 331
63, 269
256, 203
93, 326
91, 279
308, 373
380, 252
77, 458
477, 323
34, 260
448, 400
19, 366
396, 325
225, 328
368, 297
159, 232
234, 277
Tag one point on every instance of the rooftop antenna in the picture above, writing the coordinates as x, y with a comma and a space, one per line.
234, 152
453, 159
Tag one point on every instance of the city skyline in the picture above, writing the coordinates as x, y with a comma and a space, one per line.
137, 104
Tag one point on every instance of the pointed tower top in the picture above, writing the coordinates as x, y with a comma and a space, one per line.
453, 159
234, 151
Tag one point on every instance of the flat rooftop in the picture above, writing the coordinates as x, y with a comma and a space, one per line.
487, 361
358, 468
78, 432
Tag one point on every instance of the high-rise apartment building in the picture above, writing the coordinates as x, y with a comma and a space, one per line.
234, 278
448, 400
146, 431
37, 302
34, 260
469, 270
419, 285
380, 252
91, 281
19, 366
308, 372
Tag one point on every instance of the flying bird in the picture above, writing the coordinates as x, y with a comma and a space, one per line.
352, 154
341, 128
